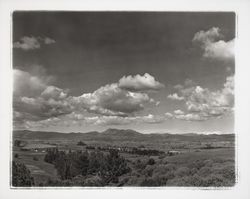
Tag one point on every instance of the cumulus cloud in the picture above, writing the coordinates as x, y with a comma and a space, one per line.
26, 84
48, 40
117, 120
52, 92
36, 100
190, 117
139, 83
31, 43
178, 112
175, 97
180, 115
169, 115
112, 100
213, 46
39, 108
202, 103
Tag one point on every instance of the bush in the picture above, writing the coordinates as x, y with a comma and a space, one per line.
17, 143
208, 163
213, 180
21, 176
94, 181
228, 172
151, 161
81, 143
149, 182
182, 171
140, 165
148, 171
204, 171
196, 164
35, 158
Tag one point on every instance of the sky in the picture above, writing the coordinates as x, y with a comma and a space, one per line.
154, 72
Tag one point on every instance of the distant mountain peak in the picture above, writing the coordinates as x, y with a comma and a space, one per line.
121, 132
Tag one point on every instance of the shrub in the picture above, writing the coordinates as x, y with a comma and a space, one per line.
213, 180
17, 143
193, 171
182, 171
21, 176
133, 181
151, 161
208, 163
35, 158
94, 181
148, 171
196, 164
228, 172
81, 143
204, 171
149, 182
140, 165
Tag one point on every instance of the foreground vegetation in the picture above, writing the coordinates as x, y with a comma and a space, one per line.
96, 168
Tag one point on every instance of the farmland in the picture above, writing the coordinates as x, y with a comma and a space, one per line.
177, 160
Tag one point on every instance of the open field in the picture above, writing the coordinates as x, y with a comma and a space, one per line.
39, 169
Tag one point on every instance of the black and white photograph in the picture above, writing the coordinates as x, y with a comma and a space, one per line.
123, 99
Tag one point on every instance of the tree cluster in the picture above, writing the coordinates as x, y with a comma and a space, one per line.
108, 167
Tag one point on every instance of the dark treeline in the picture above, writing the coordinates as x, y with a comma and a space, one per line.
133, 150
108, 167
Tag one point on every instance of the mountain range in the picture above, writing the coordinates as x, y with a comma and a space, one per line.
116, 134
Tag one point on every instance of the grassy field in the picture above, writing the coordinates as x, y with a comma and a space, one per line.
34, 161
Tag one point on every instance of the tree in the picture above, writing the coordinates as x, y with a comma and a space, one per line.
113, 167
17, 143
81, 143
82, 163
21, 176
151, 161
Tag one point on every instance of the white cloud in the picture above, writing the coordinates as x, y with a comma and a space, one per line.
212, 45
39, 108
32, 43
207, 36
27, 43
178, 112
157, 103
202, 103
180, 115
117, 120
36, 100
112, 100
169, 115
26, 84
190, 117
175, 97
220, 50
48, 40
139, 83
54, 93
